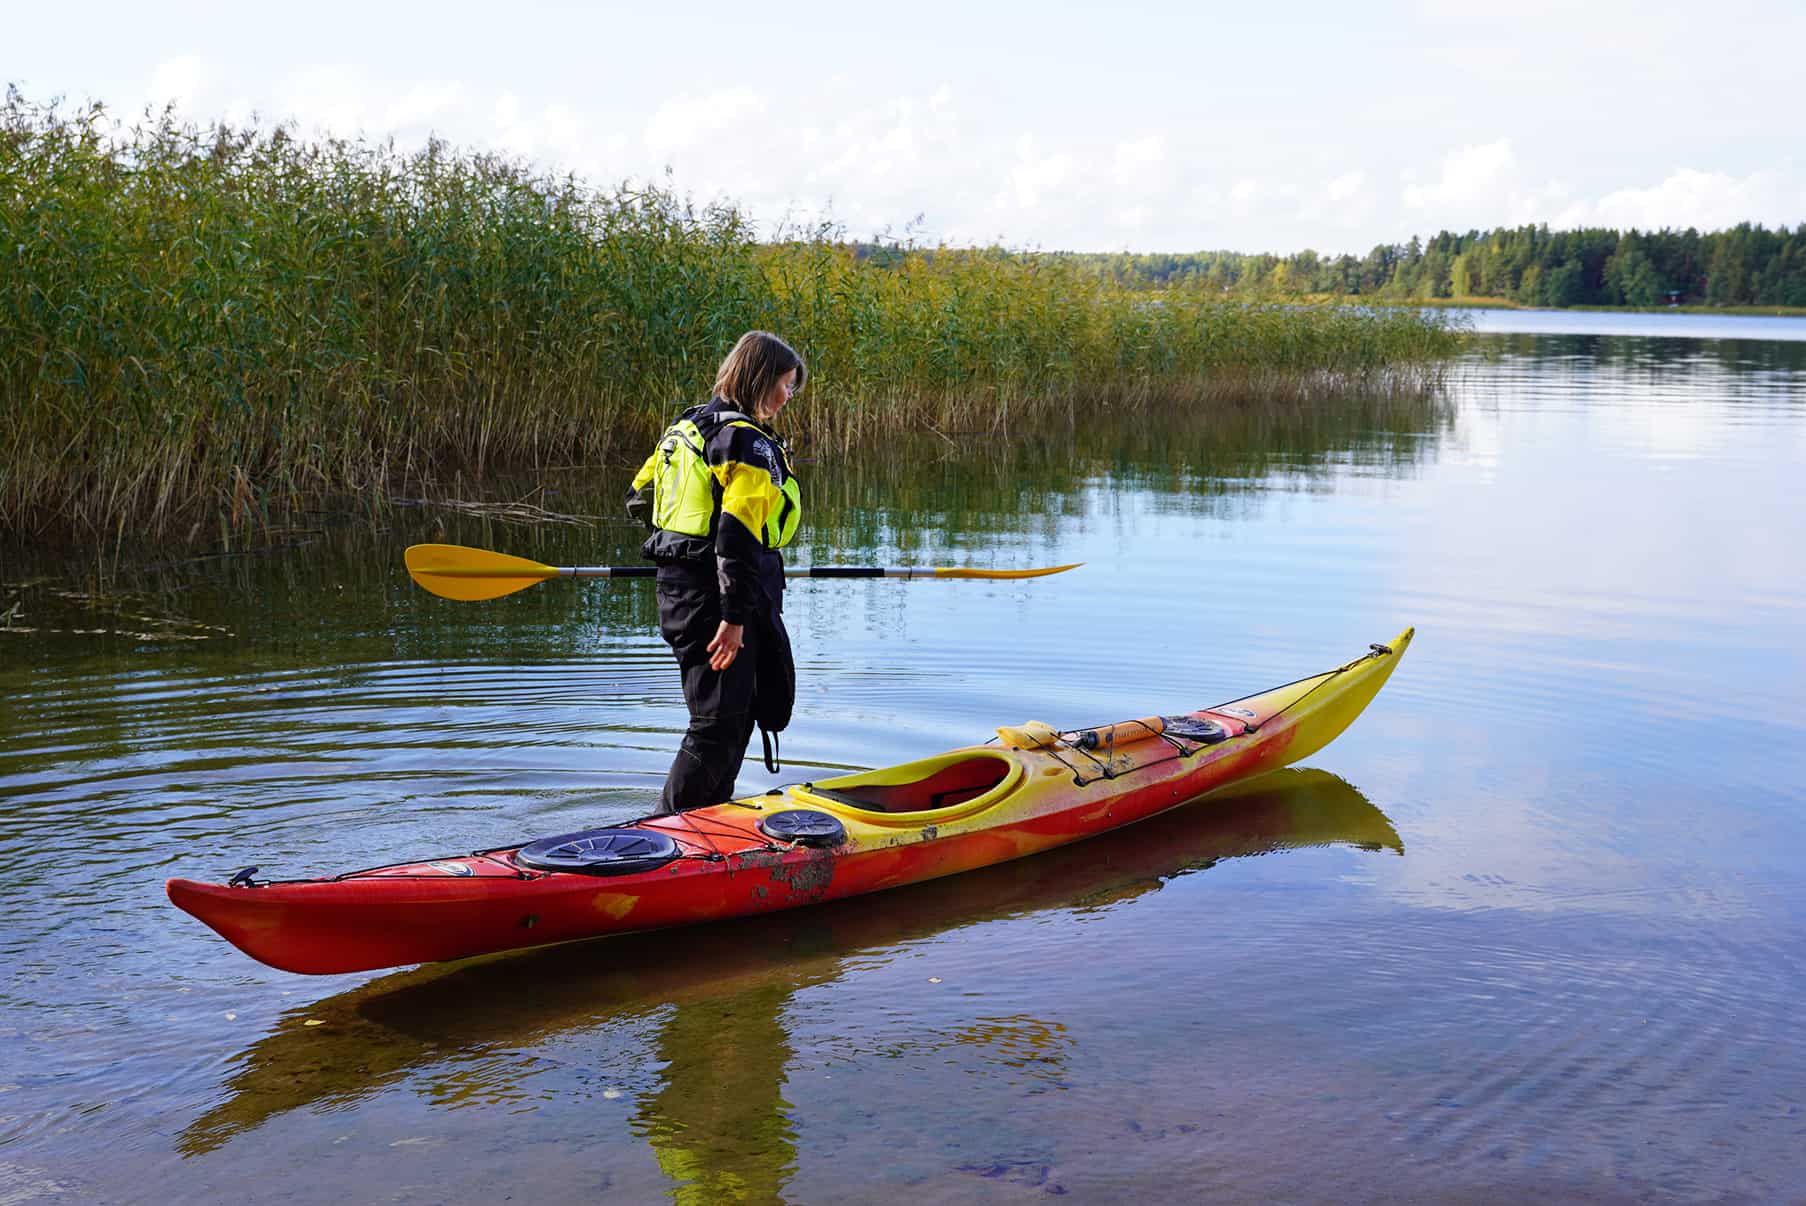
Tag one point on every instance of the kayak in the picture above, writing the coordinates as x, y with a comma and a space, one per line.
394, 1027
1030, 789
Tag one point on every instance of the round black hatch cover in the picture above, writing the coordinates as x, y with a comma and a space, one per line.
804, 826
1195, 728
600, 852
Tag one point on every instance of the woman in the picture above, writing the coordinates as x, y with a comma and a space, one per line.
719, 497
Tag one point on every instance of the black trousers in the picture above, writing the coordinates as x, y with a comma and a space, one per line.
722, 703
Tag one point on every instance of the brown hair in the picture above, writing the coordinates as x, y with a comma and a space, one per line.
758, 362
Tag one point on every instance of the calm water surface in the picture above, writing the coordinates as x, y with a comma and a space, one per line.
1533, 926
1649, 324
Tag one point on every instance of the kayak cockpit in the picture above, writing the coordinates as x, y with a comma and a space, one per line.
957, 783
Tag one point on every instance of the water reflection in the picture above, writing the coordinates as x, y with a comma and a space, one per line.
918, 495
1625, 370
1669, 326
924, 493
717, 1119
719, 1124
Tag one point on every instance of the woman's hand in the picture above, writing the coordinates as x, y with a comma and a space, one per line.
725, 646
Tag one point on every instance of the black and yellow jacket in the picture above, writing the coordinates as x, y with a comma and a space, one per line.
751, 502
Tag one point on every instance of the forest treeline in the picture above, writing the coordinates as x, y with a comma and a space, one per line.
1747, 265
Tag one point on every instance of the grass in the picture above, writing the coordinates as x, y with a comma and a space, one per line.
201, 329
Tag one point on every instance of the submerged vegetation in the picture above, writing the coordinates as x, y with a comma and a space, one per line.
201, 328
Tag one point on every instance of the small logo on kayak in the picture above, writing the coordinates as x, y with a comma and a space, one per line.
452, 868
1245, 713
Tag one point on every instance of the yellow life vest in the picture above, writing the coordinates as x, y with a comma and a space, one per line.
684, 490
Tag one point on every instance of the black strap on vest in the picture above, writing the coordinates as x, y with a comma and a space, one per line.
771, 750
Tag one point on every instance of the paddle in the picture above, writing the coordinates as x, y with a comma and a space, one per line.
452, 571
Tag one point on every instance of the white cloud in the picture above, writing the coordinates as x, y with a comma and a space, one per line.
1269, 203
1342, 203
1141, 154
683, 123
420, 105
507, 111
935, 162
873, 166
1140, 182
1471, 177
1346, 186
333, 99
1479, 187
1707, 200
883, 143
178, 81
1134, 217
1036, 175
1485, 185
554, 136
1243, 195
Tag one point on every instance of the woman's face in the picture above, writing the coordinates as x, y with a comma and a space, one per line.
780, 394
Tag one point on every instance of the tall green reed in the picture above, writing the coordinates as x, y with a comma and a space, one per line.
201, 327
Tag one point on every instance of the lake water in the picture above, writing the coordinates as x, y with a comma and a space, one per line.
1647, 324
1533, 926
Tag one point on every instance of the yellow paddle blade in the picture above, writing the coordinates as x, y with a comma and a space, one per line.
956, 572
452, 571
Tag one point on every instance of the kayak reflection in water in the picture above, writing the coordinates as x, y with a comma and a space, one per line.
710, 1094
720, 500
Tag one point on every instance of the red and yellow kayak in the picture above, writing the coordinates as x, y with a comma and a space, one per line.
1030, 790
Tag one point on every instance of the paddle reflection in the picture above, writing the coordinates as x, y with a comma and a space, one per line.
717, 1120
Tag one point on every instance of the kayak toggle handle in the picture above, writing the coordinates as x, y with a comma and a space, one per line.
1380, 650
243, 878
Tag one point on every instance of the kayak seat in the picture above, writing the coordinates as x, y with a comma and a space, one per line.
949, 785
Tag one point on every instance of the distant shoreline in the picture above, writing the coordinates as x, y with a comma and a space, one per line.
1747, 265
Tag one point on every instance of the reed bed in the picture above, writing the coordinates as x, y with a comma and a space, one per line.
202, 327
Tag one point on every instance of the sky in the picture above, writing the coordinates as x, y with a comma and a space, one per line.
1273, 126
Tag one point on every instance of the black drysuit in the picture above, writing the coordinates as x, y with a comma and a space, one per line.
732, 575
